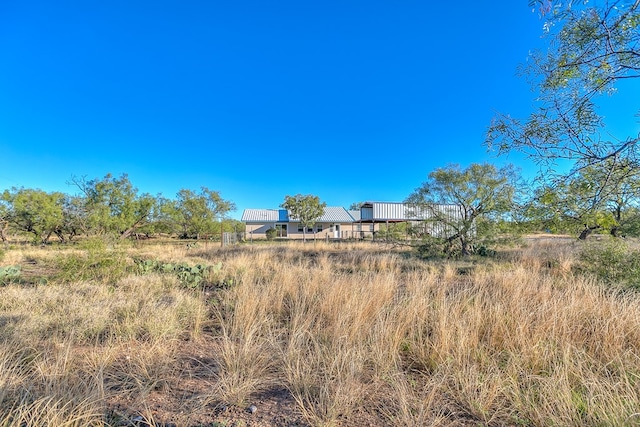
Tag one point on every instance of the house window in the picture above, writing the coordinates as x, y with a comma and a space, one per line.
359, 227
319, 227
281, 230
300, 228
371, 227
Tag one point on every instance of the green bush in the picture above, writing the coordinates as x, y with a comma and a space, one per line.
612, 261
271, 233
100, 260
431, 247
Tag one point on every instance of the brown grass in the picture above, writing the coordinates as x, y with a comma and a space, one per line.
343, 334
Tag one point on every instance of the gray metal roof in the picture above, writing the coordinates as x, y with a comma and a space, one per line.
369, 211
335, 214
265, 215
331, 214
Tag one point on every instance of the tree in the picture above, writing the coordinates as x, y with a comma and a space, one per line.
192, 214
34, 211
4, 219
198, 213
305, 209
113, 205
74, 218
598, 197
481, 196
568, 207
592, 48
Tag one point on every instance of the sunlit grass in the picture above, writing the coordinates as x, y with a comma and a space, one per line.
347, 329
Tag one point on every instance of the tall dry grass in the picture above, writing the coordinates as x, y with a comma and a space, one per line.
357, 333
515, 342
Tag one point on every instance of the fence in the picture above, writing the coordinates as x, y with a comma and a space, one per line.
231, 238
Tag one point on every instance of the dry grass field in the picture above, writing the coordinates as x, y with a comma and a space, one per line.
313, 335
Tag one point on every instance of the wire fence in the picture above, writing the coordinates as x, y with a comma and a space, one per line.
229, 238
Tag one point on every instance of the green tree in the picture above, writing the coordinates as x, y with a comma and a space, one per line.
305, 209
34, 211
74, 218
598, 197
568, 208
4, 218
166, 217
113, 205
592, 48
199, 213
481, 197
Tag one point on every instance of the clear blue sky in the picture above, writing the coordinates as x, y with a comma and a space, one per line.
347, 100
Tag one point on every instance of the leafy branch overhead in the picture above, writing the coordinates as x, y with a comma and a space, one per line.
591, 49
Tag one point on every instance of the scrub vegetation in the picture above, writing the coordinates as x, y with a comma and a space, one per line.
108, 333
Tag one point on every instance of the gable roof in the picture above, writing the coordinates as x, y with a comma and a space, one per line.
335, 214
265, 215
331, 214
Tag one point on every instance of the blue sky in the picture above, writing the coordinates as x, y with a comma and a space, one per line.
347, 100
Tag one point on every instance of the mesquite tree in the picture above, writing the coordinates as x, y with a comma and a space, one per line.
113, 205
34, 211
305, 209
198, 213
593, 46
481, 196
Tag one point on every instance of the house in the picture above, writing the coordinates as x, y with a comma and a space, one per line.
335, 223
339, 223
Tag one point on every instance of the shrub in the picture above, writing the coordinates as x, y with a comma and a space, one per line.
612, 261
98, 260
271, 233
431, 247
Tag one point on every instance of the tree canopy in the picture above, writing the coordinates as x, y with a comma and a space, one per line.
481, 194
598, 197
34, 211
592, 48
305, 209
195, 213
110, 206
113, 205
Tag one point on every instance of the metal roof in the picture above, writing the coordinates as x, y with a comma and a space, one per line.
331, 214
335, 214
369, 212
265, 215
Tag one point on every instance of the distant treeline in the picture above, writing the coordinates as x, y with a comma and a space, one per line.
113, 206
